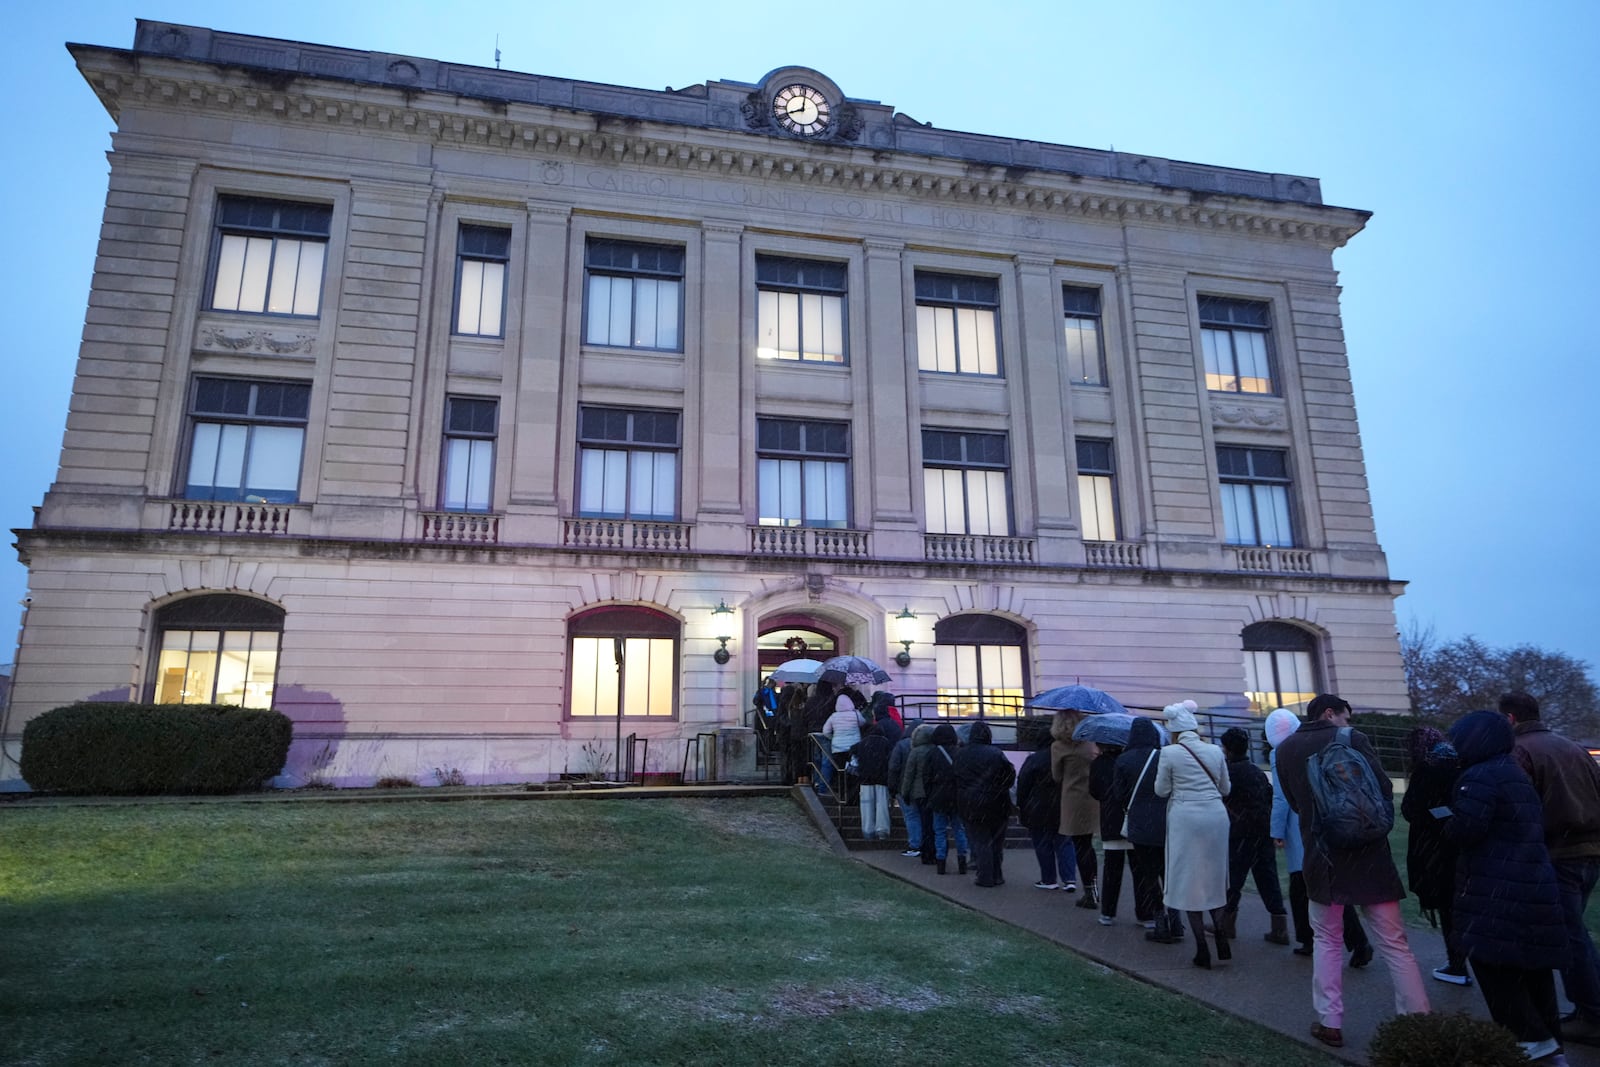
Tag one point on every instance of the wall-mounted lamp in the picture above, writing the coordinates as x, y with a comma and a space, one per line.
905, 628
722, 630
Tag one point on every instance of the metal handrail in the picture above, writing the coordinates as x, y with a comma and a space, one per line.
636, 767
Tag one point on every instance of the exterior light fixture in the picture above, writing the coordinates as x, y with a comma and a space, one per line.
722, 630
905, 628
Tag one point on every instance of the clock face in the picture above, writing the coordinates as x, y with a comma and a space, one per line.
802, 110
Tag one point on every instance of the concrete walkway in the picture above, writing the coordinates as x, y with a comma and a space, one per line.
1264, 983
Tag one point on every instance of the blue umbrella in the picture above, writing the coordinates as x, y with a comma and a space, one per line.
853, 670
1110, 728
1078, 698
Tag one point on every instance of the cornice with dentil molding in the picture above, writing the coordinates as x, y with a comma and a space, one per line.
555, 133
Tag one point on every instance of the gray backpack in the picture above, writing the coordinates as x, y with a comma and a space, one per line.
1350, 808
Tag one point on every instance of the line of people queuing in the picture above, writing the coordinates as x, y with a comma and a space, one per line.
1503, 851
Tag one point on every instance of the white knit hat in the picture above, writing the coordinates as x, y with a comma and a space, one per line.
1180, 716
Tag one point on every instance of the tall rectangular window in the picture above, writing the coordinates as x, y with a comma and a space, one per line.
469, 434
1255, 496
803, 473
1236, 336
800, 312
482, 253
964, 481
1086, 362
624, 662
1097, 498
635, 295
628, 464
269, 256
958, 324
246, 439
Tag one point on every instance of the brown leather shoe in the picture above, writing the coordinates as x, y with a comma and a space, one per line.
1331, 1036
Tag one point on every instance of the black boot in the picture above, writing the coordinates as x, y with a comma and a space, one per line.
940, 868
1090, 898
961, 865
1202, 951
1166, 931
1224, 924
1279, 934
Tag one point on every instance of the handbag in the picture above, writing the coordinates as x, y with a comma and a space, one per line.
1136, 786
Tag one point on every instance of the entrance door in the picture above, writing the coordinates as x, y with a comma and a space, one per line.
788, 637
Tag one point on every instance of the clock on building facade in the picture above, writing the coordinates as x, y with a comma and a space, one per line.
802, 110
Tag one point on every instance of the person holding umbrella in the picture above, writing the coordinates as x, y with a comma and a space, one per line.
1145, 828
1080, 812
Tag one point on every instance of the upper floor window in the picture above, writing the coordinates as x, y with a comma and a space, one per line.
958, 324
469, 433
269, 256
628, 463
635, 297
1255, 495
1086, 362
964, 481
246, 439
1236, 336
482, 253
800, 310
1097, 498
803, 473
217, 649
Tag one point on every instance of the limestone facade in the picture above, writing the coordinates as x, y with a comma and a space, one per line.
426, 571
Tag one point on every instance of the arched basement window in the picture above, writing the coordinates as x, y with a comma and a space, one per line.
981, 665
1281, 668
624, 661
217, 649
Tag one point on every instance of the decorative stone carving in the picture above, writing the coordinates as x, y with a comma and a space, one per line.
1250, 416
755, 109
405, 72
173, 41
262, 341
849, 125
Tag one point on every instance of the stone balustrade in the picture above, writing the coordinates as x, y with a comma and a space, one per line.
972, 548
625, 534
809, 541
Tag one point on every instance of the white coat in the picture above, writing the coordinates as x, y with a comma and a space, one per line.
1197, 823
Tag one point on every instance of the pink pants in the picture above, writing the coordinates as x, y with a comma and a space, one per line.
1388, 934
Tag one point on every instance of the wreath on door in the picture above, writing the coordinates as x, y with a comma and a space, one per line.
796, 645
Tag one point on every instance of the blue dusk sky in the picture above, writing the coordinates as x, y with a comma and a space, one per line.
1469, 129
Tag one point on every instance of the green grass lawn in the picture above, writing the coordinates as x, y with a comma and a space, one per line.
558, 931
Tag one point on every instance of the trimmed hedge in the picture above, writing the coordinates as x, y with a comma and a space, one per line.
120, 748
1443, 1039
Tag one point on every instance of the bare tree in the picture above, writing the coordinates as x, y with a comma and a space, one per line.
1451, 679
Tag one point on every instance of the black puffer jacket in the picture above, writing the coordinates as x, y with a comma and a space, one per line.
1507, 907
1102, 786
1147, 813
872, 757
939, 769
1249, 801
983, 780
1430, 856
1038, 795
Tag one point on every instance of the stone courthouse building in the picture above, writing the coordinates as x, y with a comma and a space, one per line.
459, 412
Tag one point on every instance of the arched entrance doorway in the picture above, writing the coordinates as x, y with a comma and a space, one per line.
796, 636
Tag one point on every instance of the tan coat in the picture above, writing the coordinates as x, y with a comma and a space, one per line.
1069, 766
